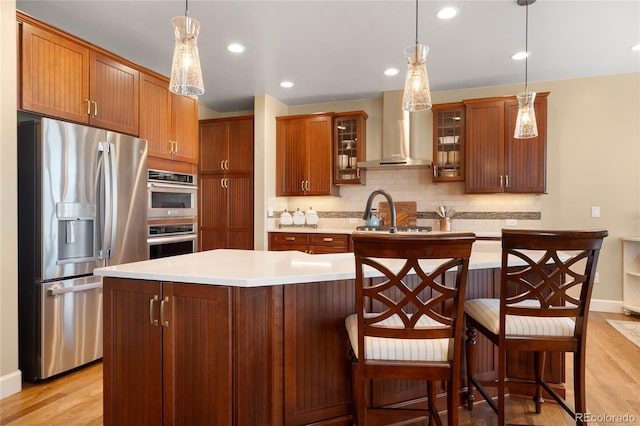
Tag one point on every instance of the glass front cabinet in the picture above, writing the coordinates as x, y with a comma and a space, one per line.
350, 141
448, 142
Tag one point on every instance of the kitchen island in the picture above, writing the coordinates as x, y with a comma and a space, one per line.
247, 338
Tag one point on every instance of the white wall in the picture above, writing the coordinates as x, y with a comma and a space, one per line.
10, 377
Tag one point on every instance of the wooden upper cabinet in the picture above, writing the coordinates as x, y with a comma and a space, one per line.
527, 158
62, 77
303, 155
184, 128
485, 147
226, 145
113, 90
497, 162
155, 115
169, 122
291, 156
54, 75
349, 147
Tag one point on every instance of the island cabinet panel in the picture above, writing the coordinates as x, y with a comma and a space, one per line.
317, 365
167, 358
132, 361
197, 357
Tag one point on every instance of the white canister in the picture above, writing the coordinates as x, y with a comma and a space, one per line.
311, 217
285, 218
298, 217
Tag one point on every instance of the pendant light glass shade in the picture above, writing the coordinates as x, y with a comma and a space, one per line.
417, 94
186, 74
526, 126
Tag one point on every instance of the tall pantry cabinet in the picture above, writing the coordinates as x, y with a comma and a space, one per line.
226, 183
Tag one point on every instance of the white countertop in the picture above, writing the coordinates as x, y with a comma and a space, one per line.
319, 230
249, 268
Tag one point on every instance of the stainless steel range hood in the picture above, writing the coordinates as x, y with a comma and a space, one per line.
401, 135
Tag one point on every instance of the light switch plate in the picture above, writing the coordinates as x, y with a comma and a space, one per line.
353, 220
595, 211
512, 222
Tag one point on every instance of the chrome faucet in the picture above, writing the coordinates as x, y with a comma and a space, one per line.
392, 208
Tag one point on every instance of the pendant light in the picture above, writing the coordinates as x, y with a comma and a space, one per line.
526, 126
417, 95
186, 74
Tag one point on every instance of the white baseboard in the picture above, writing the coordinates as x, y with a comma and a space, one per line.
10, 383
604, 305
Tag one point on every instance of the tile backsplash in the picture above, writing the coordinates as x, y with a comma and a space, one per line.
483, 212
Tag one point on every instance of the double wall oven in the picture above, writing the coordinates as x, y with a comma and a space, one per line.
172, 214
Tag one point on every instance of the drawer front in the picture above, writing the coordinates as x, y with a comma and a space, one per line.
329, 240
288, 239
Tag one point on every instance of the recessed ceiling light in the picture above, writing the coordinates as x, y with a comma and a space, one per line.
636, 47
391, 71
520, 56
235, 48
447, 13
286, 84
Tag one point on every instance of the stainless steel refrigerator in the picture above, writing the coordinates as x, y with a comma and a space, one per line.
81, 205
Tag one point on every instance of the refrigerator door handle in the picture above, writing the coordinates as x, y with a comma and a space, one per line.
111, 199
101, 201
83, 287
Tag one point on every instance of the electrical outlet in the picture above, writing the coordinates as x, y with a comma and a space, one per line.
595, 211
353, 220
596, 278
512, 222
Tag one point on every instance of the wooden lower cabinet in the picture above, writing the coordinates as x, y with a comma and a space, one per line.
313, 242
273, 355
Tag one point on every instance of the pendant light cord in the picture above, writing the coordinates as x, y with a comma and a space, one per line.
416, 22
526, 46
186, 10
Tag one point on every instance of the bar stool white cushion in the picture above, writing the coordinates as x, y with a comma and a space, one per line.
400, 349
487, 313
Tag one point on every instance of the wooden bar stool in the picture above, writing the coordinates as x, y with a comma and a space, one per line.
409, 321
545, 290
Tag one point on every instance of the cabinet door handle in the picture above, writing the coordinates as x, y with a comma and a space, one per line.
306, 185
302, 185
95, 108
358, 172
176, 147
222, 164
500, 181
222, 183
152, 302
163, 306
289, 238
226, 183
226, 164
506, 180
88, 107
327, 239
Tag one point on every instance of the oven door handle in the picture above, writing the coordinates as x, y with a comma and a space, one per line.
171, 239
171, 185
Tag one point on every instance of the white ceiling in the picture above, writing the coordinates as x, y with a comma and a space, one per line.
338, 50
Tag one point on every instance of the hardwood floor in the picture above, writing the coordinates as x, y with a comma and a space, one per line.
613, 386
